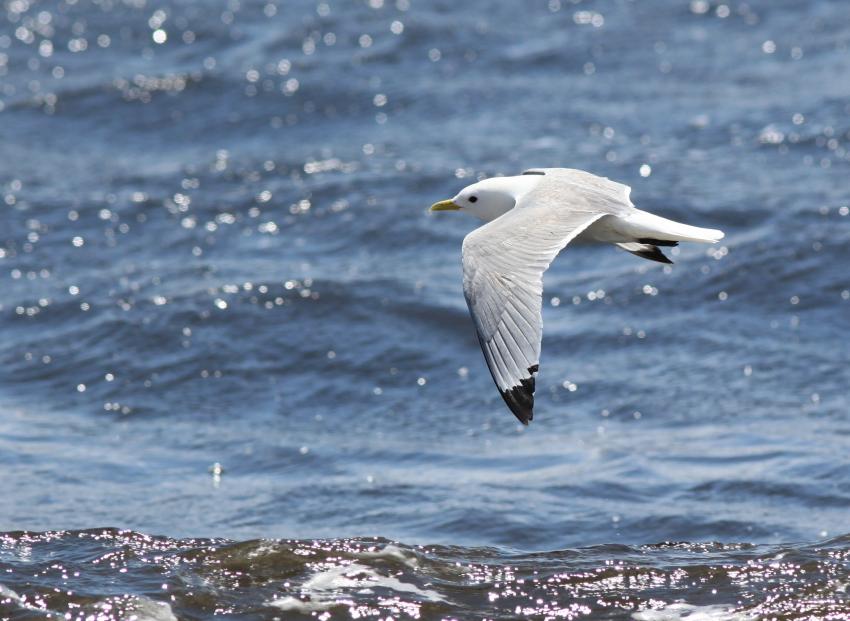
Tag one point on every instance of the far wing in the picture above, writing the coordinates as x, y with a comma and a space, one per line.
503, 265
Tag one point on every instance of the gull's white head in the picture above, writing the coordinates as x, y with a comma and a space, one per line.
490, 198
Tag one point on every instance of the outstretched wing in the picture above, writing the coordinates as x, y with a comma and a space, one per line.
503, 265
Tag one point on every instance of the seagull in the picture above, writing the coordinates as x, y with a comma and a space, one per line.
529, 219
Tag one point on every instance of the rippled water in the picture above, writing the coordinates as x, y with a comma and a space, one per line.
227, 313
104, 574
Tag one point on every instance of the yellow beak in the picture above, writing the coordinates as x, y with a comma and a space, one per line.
445, 206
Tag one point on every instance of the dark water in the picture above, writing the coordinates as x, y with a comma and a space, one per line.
106, 574
226, 312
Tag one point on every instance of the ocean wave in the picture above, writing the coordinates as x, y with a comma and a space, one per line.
160, 578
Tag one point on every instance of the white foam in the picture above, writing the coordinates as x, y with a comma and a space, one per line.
9, 594
324, 589
298, 605
394, 552
357, 576
265, 547
144, 609
680, 611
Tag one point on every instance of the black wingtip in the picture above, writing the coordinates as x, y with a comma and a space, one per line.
653, 254
521, 403
658, 242
520, 399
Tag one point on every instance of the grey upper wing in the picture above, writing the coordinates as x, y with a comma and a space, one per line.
578, 189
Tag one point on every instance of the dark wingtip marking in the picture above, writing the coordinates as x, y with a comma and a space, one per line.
533, 368
658, 242
654, 254
520, 399
533, 172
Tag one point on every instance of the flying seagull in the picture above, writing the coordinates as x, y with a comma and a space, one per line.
529, 219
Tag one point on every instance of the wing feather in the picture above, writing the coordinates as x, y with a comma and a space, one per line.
514, 328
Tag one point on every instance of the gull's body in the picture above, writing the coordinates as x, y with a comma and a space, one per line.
530, 218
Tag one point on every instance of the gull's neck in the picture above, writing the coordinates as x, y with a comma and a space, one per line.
513, 187
517, 186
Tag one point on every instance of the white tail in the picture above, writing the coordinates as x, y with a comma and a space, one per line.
644, 225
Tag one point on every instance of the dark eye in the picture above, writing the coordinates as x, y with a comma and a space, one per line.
472, 199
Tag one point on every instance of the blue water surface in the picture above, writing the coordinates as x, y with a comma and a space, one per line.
226, 311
